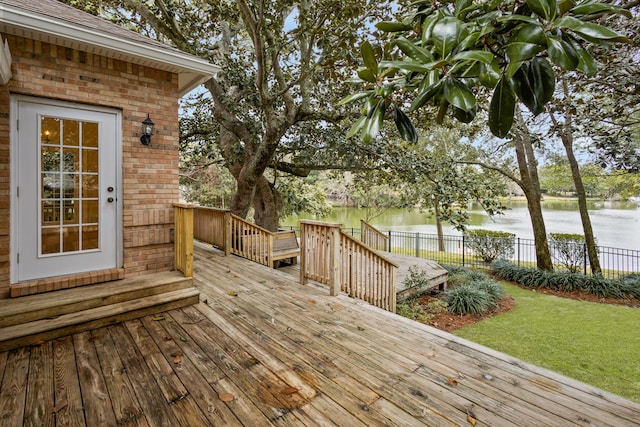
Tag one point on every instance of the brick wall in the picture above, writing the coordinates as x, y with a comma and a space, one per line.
150, 174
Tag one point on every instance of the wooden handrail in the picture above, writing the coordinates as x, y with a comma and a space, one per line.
373, 237
346, 264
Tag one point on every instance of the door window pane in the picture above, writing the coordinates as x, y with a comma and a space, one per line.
69, 191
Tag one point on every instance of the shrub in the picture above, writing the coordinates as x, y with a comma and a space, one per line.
603, 288
568, 250
416, 278
467, 299
493, 289
630, 285
458, 279
411, 309
490, 245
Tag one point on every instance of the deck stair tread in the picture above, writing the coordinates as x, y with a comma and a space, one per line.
49, 316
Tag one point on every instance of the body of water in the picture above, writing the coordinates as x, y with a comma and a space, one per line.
615, 224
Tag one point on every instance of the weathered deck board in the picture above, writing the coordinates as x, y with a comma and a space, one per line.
285, 355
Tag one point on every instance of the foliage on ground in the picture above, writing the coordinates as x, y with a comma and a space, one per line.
470, 292
590, 342
624, 288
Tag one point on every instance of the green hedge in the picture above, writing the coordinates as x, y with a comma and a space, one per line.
626, 287
490, 245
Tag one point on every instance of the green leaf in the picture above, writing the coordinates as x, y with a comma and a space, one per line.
587, 64
531, 33
591, 8
564, 6
354, 97
501, 110
426, 94
392, 26
366, 75
369, 57
405, 126
523, 88
414, 52
458, 94
546, 9
464, 116
542, 79
562, 53
474, 55
410, 66
521, 51
489, 74
356, 126
373, 122
592, 31
517, 19
427, 27
446, 34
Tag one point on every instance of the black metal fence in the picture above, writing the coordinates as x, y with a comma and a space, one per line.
457, 250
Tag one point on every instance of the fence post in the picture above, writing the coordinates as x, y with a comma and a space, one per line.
584, 252
463, 251
518, 251
389, 240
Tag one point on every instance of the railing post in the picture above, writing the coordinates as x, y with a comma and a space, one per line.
584, 252
303, 253
417, 244
335, 262
518, 251
183, 239
227, 233
389, 233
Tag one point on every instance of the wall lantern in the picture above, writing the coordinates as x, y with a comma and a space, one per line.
147, 131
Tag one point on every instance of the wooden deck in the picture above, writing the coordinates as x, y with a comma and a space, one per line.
436, 274
263, 350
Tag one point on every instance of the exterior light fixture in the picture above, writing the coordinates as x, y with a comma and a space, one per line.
147, 131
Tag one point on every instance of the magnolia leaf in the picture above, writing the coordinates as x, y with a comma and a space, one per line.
405, 126
427, 27
464, 116
501, 110
373, 122
543, 8
531, 33
522, 51
523, 88
587, 64
489, 74
471, 420
564, 6
474, 55
452, 382
591, 31
356, 126
426, 94
562, 53
410, 66
542, 79
392, 27
414, 52
366, 75
369, 58
458, 94
590, 8
517, 18
354, 97
445, 35
226, 397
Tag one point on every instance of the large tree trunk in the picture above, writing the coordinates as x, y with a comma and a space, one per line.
566, 135
527, 165
267, 205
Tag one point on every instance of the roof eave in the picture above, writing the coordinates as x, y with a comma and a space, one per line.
194, 69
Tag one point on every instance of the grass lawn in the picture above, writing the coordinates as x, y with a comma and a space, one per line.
598, 344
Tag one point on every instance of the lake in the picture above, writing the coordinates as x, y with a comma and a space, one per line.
615, 224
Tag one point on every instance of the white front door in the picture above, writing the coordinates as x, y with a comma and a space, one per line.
65, 189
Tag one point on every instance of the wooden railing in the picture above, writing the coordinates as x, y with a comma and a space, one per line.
329, 256
234, 235
373, 237
183, 238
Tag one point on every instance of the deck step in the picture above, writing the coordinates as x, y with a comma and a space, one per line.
30, 319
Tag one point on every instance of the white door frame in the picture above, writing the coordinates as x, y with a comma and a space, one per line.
15, 162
